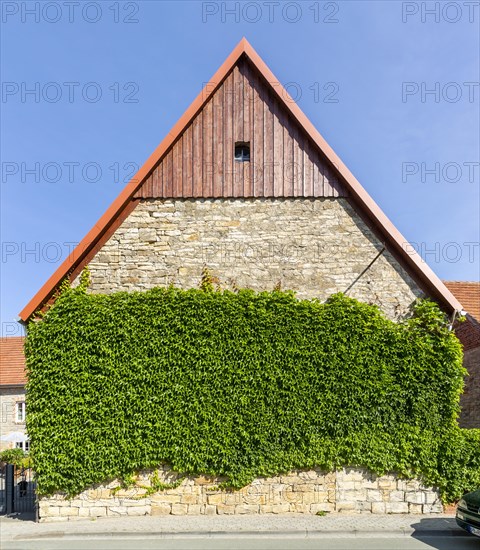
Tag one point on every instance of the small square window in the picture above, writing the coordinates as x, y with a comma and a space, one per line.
20, 411
242, 151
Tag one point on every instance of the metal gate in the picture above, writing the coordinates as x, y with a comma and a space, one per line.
17, 490
3, 500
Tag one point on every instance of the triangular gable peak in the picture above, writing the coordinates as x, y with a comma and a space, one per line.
284, 162
323, 173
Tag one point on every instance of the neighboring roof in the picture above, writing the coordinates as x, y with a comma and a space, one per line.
125, 202
468, 293
12, 361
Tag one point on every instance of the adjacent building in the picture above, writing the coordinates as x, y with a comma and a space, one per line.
12, 393
469, 334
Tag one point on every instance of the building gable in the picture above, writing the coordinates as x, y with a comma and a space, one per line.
172, 171
284, 162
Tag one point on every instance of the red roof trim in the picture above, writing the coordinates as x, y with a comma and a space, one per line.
76, 259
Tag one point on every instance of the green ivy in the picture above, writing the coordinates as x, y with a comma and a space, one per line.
15, 456
240, 385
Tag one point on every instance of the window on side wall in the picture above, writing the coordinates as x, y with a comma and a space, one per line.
20, 411
24, 445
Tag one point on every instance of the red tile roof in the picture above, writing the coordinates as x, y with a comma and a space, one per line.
12, 361
468, 294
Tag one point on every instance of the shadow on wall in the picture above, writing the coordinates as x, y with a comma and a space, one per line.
364, 228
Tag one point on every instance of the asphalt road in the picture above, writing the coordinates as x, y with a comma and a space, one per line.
250, 543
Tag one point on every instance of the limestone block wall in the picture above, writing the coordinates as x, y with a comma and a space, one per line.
314, 246
302, 491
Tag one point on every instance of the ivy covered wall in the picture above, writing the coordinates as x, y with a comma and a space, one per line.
243, 384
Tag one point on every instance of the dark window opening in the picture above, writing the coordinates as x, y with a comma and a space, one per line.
242, 151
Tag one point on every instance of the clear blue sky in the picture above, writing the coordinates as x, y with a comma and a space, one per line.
380, 57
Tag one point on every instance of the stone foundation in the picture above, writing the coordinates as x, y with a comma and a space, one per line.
306, 492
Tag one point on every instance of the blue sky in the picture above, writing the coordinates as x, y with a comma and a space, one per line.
134, 67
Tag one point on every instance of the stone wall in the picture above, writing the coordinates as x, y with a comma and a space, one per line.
8, 398
313, 246
470, 399
304, 491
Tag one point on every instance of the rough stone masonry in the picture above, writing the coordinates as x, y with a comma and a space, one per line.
314, 246
303, 491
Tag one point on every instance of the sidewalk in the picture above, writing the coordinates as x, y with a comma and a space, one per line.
291, 525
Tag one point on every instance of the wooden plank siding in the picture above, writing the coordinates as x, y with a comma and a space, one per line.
268, 143
257, 146
284, 162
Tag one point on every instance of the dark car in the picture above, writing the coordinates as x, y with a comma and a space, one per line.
468, 513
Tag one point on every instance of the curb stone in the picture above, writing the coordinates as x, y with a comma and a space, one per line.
446, 533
